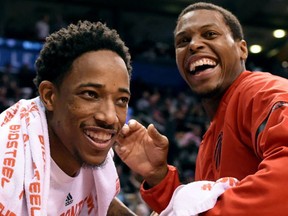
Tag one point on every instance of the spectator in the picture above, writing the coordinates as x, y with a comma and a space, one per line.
42, 27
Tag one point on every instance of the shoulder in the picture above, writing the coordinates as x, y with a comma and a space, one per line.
262, 80
262, 85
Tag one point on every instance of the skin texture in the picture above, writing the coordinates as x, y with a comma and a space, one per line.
118, 208
203, 34
93, 97
200, 35
147, 147
92, 100
83, 79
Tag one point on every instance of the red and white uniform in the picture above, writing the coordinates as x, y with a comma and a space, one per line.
247, 140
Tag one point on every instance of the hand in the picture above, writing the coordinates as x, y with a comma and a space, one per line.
144, 151
118, 208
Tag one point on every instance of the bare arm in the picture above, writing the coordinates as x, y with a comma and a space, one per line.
117, 208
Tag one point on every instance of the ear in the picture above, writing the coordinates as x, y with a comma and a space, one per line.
47, 92
243, 50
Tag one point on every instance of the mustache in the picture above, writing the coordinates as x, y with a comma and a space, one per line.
100, 124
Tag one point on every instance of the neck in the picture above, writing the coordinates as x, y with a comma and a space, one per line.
62, 156
210, 106
70, 167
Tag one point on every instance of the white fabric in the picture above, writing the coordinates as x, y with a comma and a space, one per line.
71, 194
196, 197
25, 163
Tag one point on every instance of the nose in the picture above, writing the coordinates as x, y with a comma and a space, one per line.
106, 113
195, 44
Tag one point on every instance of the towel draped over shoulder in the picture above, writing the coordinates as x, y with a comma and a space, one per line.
25, 163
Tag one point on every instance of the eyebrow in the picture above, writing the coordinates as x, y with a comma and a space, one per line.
201, 27
97, 85
180, 33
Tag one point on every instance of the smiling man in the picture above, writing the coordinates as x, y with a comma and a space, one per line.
202, 43
56, 149
248, 132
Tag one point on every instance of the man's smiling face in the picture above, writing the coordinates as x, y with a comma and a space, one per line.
207, 56
89, 108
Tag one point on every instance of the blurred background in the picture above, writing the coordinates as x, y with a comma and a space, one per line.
159, 95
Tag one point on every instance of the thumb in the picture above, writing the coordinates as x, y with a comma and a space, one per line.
159, 139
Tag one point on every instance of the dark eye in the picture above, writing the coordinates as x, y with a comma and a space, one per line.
90, 94
210, 34
123, 101
182, 41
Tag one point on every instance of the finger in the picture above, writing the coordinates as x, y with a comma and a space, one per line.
132, 122
120, 140
134, 125
119, 149
158, 138
124, 130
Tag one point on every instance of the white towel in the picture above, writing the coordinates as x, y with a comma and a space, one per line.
196, 197
25, 163
107, 184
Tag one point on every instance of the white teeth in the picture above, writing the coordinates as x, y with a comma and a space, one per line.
99, 135
200, 62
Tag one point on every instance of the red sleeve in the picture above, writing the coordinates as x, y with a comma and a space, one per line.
159, 196
265, 192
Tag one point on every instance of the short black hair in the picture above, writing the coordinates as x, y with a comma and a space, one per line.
64, 46
230, 19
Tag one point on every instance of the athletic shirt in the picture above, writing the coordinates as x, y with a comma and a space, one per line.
71, 195
248, 140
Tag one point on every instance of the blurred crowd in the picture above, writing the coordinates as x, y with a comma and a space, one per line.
177, 114
15, 84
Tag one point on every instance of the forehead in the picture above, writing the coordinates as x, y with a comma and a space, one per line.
103, 66
200, 18
101, 59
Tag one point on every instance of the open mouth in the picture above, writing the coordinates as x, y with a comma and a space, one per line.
201, 65
99, 139
98, 136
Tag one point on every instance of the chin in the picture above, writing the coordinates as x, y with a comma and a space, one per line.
94, 165
211, 92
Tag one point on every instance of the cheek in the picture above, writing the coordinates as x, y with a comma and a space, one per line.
178, 56
180, 60
80, 108
72, 114
122, 115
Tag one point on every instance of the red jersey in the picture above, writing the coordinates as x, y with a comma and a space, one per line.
248, 140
